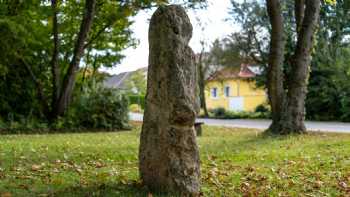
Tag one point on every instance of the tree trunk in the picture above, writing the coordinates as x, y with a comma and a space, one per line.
295, 115
201, 84
69, 80
168, 154
55, 70
276, 58
299, 11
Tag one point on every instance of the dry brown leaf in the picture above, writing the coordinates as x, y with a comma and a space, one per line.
6, 194
36, 167
99, 165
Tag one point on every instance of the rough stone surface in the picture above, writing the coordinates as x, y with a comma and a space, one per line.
168, 155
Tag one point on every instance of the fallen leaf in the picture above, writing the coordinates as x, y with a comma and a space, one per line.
36, 167
99, 165
58, 161
6, 194
318, 184
343, 185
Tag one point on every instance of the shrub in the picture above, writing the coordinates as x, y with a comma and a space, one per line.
93, 108
23, 125
137, 99
135, 108
98, 108
345, 106
219, 112
262, 108
224, 114
2, 124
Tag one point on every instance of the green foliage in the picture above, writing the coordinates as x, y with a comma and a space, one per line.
136, 83
2, 124
22, 125
262, 108
137, 99
94, 108
135, 108
329, 83
27, 47
234, 162
345, 106
98, 108
329, 79
23, 40
221, 113
226, 53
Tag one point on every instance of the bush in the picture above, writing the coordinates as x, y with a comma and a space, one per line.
97, 108
219, 112
137, 99
262, 108
135, 108
22, 125
93, 108
2, 124
345, 106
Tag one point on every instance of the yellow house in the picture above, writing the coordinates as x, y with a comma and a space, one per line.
234, 89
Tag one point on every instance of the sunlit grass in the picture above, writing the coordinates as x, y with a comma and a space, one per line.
235, 162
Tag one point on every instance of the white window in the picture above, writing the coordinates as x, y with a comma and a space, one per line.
227, 91
214, 93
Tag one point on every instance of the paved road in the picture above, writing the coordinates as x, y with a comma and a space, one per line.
336, 127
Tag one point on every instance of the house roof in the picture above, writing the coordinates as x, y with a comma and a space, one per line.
232, 72
118, 81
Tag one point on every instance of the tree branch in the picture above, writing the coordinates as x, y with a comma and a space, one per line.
54, 62
69, 79
95, 37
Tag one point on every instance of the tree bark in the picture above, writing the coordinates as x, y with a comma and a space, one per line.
295, 116
55, 70
299, 11
201, 84
69, 79
276, 58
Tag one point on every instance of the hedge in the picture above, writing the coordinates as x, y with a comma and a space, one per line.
137, 99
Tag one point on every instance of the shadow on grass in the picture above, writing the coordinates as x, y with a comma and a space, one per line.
58, 131
248, 141
132, 189
48, 130
104, 190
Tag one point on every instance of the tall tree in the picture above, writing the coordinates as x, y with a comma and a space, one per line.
276, 59
307, 23
289, 108
52, 39
65, 95
202, 68
291, 25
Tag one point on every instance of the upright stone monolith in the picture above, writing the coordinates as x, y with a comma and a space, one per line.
169, 157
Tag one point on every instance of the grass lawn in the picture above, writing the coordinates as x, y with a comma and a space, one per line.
235, 162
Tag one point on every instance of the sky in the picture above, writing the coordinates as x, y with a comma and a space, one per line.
212, 25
